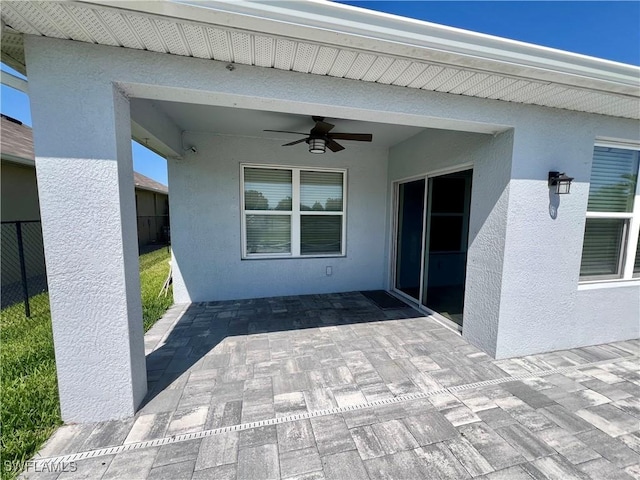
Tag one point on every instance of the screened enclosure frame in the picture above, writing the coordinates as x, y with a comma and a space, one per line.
295, 213
630, 227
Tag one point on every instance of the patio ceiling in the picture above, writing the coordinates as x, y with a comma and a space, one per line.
325, 38
252, 123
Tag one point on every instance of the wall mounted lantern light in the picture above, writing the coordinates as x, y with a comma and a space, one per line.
317, 145
560, 182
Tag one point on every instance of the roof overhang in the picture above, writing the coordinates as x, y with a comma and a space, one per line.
327, 38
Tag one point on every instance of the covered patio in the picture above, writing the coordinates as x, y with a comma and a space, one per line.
317, 386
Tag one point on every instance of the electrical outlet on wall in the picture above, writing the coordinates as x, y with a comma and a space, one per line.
329, 271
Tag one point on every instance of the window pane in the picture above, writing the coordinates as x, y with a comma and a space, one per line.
602, 246
320, 234
321, 191
636, 265
613, 180
267, 189
446, 234
268, 234
448, 195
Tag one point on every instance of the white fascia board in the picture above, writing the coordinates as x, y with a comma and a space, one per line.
12, 81
356, 28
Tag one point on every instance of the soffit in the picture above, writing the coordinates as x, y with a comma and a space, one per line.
426, 69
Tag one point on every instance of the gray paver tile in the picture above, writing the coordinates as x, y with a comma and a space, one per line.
172, 471
332, 435
319, 475
298, 462
566, 419
491, 446
336, 465
512, 473
631, 440
394, 436
468, 456
460, 415
259, 462
602, 469
254, 437
524, 414
289, 404
295, 435
187, 421
66, 439
633, 470
222, 472
528, 445
134, 464
108, 434
553, 468
496, 417
217, 450
367, 442
610, 448
177, 452
88, 469
528, 395
439, 462
319, 399
358, 418
567, 445
402, 465
610, 419
348, 395
431, 427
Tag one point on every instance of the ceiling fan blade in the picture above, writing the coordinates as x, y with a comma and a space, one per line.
333, 145
321, 128
285, 131
295, 143
358, 137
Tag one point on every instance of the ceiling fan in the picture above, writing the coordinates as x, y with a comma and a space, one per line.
320, 137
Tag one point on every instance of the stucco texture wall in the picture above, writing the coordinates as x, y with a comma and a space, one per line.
435, 150
206, 223
531, 258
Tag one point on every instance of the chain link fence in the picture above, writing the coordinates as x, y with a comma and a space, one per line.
23, 269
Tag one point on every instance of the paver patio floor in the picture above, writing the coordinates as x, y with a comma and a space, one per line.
332, 387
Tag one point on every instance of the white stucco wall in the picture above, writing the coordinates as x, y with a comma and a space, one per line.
529, 257
85, 184
542, 307
206, 222
435, 150
522, 288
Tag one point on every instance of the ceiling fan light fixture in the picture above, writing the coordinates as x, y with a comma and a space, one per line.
317, 145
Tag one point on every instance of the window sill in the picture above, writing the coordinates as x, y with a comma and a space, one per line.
615, 283
290, 257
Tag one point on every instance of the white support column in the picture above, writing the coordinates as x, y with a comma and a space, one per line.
82, 134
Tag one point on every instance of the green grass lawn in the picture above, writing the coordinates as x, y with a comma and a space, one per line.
29, 407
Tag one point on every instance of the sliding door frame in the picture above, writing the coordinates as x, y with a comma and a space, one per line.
419, 303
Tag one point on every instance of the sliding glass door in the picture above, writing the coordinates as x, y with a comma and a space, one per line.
409, 237
432, 240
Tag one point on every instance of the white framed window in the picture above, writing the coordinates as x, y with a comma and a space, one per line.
292, 212
611, 250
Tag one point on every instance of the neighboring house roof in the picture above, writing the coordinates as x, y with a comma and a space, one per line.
16, 143
327, 38
146, 183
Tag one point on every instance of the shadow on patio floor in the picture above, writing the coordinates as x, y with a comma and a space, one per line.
204, 326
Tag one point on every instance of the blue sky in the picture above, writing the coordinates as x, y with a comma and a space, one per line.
608, 29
